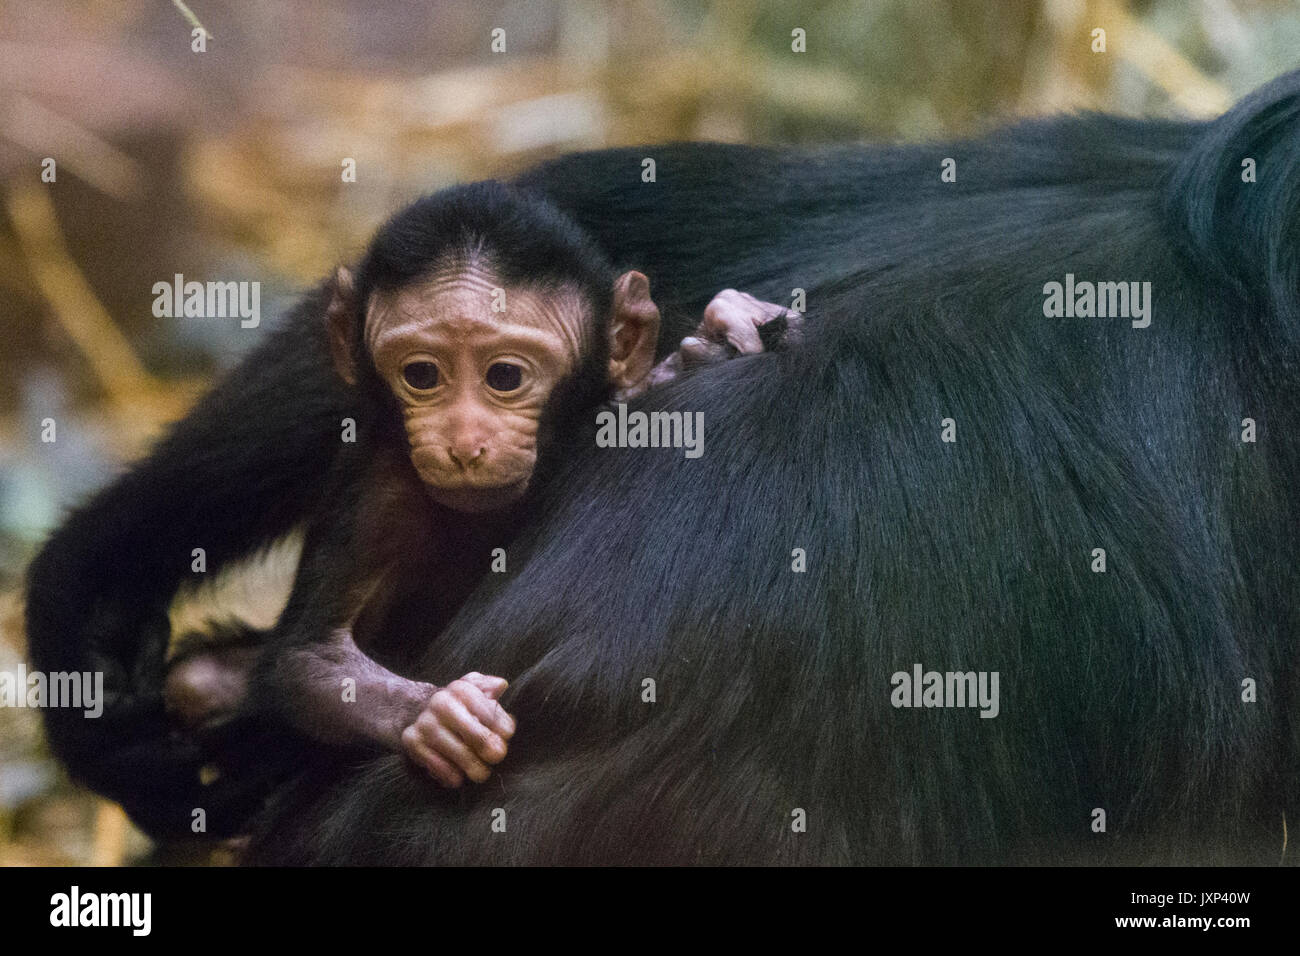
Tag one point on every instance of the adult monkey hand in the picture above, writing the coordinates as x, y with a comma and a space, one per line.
735, 323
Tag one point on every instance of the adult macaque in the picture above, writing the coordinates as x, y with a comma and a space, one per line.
480, 325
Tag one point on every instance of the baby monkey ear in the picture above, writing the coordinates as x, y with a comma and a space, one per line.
633, 331
341, 324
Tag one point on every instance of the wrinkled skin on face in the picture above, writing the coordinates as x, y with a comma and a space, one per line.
472, 381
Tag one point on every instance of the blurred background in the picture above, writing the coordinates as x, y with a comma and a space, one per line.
228, 164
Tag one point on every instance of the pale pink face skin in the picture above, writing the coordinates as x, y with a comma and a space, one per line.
474, 445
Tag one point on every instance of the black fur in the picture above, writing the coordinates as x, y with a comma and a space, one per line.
239, 471
527, 241
1119, 690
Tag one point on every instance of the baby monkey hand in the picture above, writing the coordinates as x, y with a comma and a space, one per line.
735, 323
461, 730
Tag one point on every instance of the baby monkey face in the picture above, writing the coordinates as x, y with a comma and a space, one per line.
472, 366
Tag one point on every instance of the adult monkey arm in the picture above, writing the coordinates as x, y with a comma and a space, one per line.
238, 471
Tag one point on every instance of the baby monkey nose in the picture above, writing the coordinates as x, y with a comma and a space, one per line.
466, 455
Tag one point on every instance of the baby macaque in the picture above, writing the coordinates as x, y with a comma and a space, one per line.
480, 323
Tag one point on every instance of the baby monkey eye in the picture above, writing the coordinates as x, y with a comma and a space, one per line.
421, 376
504, 377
